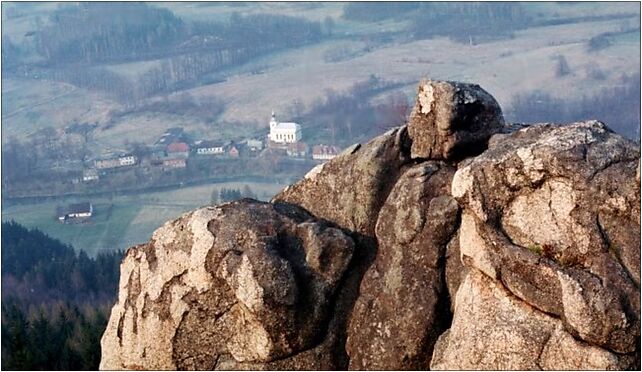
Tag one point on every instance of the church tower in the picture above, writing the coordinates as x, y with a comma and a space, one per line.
273, 122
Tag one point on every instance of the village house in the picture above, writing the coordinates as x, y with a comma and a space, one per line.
297, 150
75, 212
324, 152
127, 159
107, 163
116, 162
254, 145
178, 149
210, 148
174, 163
284, 132
233, 151
89, 175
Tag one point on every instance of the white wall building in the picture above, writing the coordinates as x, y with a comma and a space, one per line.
210, 148
127, 160
284, 132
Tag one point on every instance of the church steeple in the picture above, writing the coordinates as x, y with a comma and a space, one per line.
273, 121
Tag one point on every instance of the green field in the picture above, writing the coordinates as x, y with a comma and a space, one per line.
123, 221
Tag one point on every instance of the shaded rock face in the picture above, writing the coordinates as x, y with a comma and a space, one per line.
405, 254
351, 189
400, 311
451, 120
203, 288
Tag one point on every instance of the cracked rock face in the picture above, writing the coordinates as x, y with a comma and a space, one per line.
534, 205
350, 189
203, 289
451, 120
493, 329
400, 311
400, 255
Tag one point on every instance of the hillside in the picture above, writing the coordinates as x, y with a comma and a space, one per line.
299, 74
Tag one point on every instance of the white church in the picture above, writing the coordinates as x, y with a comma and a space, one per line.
284, 132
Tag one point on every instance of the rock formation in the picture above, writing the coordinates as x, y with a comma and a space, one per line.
454, 242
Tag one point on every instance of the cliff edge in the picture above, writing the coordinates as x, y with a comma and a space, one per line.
457, 241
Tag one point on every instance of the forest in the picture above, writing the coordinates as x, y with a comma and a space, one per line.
55, 301
78, 41
461, 21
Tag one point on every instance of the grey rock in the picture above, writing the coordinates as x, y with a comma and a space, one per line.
350, 189
533, 205
202, 289
452, 120
400, 311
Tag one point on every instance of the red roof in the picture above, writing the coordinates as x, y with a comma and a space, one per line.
324, 150
298, 146
178, 147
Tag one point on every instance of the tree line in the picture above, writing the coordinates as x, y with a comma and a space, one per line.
55, 301
618, 107
461, 21
78, 40
343, 118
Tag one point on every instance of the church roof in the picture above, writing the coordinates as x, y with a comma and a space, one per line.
290, 126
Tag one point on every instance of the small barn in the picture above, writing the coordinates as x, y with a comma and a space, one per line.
75, 212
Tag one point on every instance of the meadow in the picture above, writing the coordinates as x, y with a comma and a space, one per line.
122, 221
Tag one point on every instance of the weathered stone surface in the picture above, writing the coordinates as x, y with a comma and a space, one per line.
543, 208
493, 329
350, 189
451, 120
455, 271
400, 311
203, 288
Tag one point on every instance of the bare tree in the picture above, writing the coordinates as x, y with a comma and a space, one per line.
562, 68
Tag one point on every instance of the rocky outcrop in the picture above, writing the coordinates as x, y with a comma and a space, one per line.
455, 242
203, 289
493, 329
351, 189
400, 311
451, 120
533, 205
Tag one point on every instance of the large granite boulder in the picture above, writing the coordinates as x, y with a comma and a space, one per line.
494, 330
451, 120
205, 289
534, 209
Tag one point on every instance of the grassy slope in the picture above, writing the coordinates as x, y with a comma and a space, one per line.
124, 220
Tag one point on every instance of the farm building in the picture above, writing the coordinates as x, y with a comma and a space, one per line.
324, 152
210, 148
233, 151
178, 149
297, 150
89, 175
107, 163
254, 145
127, 159
79, 211
174, 163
